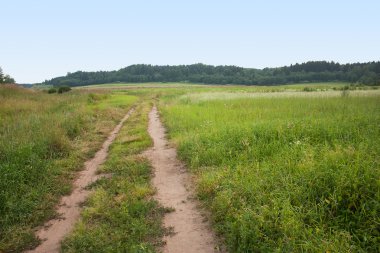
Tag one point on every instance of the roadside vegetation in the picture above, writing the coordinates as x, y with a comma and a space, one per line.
44, 140
283, 174
121, 215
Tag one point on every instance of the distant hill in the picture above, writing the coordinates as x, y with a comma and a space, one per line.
312, 71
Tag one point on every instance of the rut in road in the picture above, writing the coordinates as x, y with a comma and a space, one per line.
191, 233
54, 231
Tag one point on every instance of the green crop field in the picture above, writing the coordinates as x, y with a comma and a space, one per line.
291, 168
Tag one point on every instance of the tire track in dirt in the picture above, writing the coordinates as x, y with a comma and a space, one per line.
54, 231
191, 233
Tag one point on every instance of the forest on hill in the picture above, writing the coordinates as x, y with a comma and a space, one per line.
312, 71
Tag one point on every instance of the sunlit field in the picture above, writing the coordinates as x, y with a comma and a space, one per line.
291, 168
284, 172
44, 139
300, 86
219, 95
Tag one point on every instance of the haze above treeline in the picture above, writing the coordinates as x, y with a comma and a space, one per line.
312, 71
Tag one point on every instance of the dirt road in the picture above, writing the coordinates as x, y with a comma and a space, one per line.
54, 231
191, 233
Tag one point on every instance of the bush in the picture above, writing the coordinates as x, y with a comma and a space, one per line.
63, 89
52, 90
309, 89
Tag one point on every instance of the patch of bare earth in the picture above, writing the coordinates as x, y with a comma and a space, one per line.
192, 234
54, 231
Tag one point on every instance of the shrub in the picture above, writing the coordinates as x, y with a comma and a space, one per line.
309, 89
52, 90
63, 89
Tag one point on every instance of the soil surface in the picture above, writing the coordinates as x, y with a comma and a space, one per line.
54, 231
192, 233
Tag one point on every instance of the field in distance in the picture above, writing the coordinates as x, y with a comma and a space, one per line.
329, 85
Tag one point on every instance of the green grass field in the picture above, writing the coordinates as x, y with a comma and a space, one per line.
44, 140
299, 86
280, 168
140, 85
284, 174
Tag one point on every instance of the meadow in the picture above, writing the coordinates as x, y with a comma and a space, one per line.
280, 169
283, 174
181, 85
44, 140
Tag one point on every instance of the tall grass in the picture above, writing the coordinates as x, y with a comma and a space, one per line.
43, 140
285, 174
121, 215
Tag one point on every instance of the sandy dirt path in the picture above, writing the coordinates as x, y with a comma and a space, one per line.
54, 231
191, 233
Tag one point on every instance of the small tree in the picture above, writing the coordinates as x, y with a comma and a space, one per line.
8, 79
1, 75
5, 78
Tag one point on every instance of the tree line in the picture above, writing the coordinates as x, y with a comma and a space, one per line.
5, 78
312, 71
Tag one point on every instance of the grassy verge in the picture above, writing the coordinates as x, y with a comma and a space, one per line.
44, 140
120, 215
285, 174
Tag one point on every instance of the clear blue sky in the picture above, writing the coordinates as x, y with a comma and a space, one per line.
42, 39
